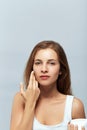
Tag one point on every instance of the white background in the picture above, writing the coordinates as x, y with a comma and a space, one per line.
23, 23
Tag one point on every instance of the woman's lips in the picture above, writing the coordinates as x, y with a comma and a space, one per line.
44, 77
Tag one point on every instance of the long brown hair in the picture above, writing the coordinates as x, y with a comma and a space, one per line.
63, 81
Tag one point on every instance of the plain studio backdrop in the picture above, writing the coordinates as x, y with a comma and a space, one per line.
23, 23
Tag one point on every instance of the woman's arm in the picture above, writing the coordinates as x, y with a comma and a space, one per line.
22, 114
24, 106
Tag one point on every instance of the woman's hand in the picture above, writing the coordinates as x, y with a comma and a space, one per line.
32, 93
72, 127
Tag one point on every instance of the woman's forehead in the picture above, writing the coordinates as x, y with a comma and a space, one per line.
46, 54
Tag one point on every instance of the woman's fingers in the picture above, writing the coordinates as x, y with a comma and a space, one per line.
83, 128
76, 127
22, 89
31, 80
36, 84
72, 127
32, 92
33, 84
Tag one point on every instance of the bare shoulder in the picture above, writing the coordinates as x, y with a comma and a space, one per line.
78, 108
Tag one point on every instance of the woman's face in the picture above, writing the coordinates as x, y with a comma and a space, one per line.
46, 67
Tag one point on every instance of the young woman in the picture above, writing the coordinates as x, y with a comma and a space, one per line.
45, 100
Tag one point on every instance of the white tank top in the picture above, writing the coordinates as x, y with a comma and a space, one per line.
63, 125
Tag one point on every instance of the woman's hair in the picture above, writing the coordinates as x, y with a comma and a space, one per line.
63, 81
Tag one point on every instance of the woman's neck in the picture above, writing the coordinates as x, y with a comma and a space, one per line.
48, 92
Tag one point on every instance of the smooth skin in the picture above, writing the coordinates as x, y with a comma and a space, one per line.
24, 105
42, 94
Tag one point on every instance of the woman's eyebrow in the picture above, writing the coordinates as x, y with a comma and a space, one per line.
52, 60
47, 60
37, 59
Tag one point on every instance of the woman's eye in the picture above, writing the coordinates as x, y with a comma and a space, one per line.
52, 63
37, 63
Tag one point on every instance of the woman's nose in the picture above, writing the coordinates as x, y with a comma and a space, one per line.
44, 68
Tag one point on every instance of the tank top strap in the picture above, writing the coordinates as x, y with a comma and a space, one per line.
68, 108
